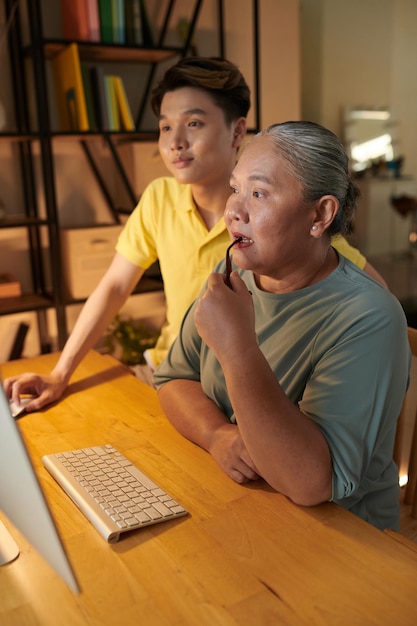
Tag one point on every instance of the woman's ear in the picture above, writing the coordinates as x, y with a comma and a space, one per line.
326, 210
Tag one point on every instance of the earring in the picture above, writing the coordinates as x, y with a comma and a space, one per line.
314, 227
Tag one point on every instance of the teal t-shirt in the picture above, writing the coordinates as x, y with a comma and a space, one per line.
339, 350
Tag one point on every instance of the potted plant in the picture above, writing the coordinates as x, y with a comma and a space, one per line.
127, 339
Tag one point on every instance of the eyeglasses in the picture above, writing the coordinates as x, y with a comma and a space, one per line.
229, 261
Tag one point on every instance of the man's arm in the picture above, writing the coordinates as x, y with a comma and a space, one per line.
98, 311
373, 273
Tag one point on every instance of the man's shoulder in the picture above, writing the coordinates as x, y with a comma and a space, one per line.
167, 192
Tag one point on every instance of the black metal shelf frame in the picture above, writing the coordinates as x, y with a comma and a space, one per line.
28, 180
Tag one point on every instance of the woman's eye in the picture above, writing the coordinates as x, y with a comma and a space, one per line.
233, 189
257, 194
164, 129
195, 123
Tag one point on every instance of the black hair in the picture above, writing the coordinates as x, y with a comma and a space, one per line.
220, 78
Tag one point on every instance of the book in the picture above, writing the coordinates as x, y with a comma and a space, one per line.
111, 101
118, 21
106, 20
10, 330
148, 39
16, 349
69, 89
9, 286
93, 20
74, 19
98, 94
85, 72
133, 22
126, 118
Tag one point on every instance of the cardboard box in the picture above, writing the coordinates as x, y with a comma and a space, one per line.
86, 255
9, 286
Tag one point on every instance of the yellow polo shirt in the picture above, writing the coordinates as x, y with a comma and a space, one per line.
348, 251
165, 225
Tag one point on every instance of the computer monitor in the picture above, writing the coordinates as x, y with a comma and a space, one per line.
23, 502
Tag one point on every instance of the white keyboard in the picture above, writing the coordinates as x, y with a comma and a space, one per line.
111, 492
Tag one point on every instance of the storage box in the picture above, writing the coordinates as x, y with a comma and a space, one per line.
9, 286
86, 255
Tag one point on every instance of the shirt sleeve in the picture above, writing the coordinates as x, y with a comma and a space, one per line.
183, 358
355, 388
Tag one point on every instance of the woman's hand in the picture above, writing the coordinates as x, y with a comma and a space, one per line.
224, 317
230, 453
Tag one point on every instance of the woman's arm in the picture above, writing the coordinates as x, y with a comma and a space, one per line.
200, 420
287, 448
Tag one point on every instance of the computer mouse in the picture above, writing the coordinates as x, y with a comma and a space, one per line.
17, 409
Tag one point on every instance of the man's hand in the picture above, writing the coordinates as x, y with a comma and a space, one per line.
45, 389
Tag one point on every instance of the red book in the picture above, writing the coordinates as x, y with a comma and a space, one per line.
93, 20
75, 24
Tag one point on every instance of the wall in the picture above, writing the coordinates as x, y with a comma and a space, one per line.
280, 61
403, 87
361, 53
279, 53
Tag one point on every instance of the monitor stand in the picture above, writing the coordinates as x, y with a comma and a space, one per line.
9, 549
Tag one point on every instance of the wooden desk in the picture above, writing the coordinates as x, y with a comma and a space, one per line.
244, 556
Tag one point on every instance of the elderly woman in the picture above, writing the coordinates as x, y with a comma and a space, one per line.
296, 373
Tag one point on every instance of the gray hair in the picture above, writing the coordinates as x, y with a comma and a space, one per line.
317, 158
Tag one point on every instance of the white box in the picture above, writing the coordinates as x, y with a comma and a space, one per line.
86, 255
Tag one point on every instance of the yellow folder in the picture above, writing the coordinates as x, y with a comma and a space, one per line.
69, 90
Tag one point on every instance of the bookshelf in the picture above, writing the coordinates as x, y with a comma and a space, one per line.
30, 54
98, 52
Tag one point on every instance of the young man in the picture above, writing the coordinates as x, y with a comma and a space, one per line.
201, 104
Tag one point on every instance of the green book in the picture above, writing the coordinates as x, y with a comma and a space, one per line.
118, 21
99, 97
111, 100
105, 8
133, 23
